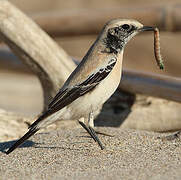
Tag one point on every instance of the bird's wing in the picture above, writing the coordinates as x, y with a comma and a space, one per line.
69, 94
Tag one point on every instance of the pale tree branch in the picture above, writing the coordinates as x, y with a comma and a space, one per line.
34, 48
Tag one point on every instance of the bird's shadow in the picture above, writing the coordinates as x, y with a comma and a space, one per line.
6, 145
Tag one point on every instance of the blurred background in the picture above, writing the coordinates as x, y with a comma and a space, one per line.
78, 23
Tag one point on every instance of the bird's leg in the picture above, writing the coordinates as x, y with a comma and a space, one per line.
90, 129
96, 138
87, 129
104, 134
91, 120
91, 124
172, 136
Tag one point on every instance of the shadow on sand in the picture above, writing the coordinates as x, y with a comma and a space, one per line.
6, 145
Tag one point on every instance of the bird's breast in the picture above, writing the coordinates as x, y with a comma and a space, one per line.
94, 100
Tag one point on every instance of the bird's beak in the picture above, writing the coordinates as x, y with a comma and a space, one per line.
146, 28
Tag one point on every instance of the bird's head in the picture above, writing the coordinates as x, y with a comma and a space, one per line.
116, 33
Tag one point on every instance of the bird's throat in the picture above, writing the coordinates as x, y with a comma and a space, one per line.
113, 44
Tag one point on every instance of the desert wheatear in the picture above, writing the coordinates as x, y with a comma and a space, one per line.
93, 81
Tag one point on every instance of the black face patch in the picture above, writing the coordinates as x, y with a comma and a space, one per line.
117, 37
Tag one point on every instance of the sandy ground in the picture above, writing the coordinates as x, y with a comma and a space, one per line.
71, 154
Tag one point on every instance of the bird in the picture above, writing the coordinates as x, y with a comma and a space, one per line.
92, 82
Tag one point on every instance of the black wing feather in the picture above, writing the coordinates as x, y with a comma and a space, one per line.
65, 98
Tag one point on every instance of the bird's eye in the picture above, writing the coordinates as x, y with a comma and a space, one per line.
125, 26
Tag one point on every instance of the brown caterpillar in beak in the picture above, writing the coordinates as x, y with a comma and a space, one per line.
157, 53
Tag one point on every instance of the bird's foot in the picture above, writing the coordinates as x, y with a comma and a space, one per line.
92, 133
171, 137
104, 134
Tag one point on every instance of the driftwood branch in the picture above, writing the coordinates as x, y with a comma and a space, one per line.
165, 16
161, 86
35, 48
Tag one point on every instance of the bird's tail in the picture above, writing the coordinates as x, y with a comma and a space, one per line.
22, 139
32, 130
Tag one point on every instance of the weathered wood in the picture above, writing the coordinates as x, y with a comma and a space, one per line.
166, 17
157, 85
35, 48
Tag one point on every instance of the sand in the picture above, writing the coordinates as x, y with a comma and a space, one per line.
71, 154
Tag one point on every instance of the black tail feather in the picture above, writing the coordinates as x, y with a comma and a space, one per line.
32, 130
21, 140
42, 117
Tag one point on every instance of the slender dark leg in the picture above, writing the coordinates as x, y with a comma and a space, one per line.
91, 124
92, 133
96, 137
104, 134
87, 129
172, 136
